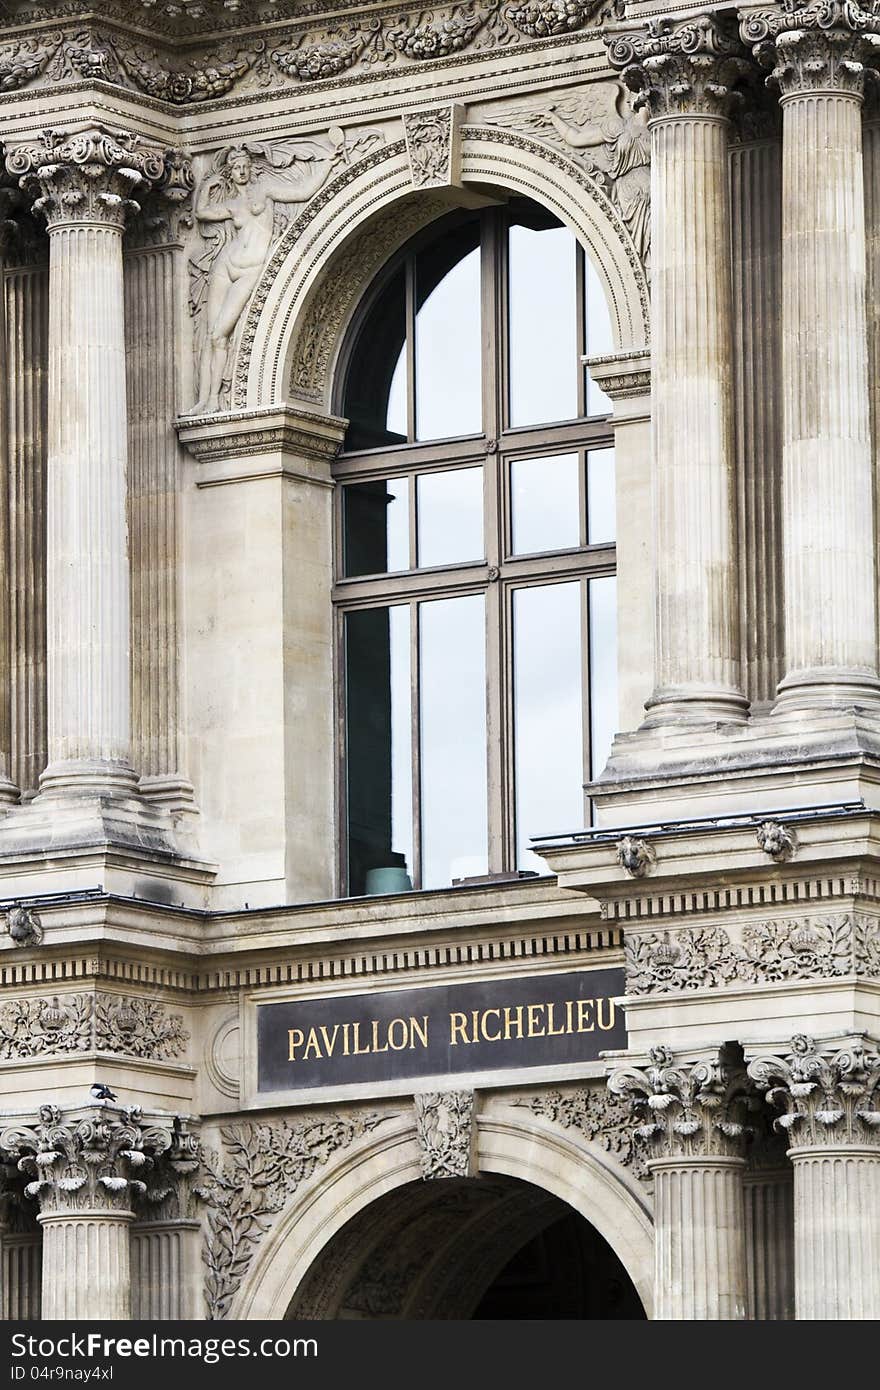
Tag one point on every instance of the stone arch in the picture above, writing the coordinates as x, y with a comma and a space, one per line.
512, 1142
330, 253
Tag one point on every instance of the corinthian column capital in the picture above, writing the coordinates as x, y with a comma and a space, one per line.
819, 47
687, 1110
87, 177
828, 1098
676, 69
92, 1160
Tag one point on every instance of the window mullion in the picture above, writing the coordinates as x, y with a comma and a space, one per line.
416, 745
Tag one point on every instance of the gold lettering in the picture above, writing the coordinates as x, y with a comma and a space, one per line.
345, 1028
507, 1020
397, 1046
488, 1013
358, 1050
610, 1005
418, 1030
457, 1024
294, 1040
531, 1012
569, 1025
376, 1047
329, 1042
312, 1045
584, 1006
551, 1031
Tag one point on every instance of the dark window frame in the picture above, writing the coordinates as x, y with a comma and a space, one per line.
500, 573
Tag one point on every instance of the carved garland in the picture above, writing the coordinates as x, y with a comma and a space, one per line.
261, 1168
84, 1023
602, 1118
769, 952
302, 53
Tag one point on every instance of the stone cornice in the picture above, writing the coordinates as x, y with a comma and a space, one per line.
622, 375
285, 430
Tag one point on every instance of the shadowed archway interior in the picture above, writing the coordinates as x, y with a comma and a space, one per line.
487, 1247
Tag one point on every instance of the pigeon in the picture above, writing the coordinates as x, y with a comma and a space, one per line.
100, 1092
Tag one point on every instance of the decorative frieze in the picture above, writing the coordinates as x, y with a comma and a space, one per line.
696, 958
446, 1133
70, 1023
828, 1097
675, 68
689, 1109
258, 1172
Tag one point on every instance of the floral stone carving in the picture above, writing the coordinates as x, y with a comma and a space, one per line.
690, 1109
600, 1116
828, 1097
85, 1023
445, 1131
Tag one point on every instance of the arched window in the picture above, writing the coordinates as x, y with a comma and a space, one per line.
475, 556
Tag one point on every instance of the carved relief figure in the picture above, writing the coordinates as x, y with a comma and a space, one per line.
238, 213
613, 141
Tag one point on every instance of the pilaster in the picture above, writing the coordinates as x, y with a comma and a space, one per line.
692, 1116
830, 1099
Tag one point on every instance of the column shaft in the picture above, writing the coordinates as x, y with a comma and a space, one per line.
88, 574
86, 1266
837, 1234
769, 1245
700, 1258
697, 617
829, 566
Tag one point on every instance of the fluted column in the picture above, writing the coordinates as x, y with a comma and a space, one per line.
83, 183
818, 63
8, 790
768, 1195
685, 75
85, 1169
692, 1115
831, 1104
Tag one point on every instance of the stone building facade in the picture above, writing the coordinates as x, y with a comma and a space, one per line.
224, 225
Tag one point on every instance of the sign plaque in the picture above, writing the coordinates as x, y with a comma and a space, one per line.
440, 1030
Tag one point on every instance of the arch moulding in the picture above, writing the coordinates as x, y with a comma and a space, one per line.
329, 254
511, 1141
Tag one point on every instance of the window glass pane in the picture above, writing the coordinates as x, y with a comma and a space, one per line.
450, 517
375, 389
548, 715
597, 335
601, 514
545, 506
603, 670
376, 519
448, 368
542, 290
452, 693
379, 749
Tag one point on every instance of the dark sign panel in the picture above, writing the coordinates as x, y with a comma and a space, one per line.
443, 1030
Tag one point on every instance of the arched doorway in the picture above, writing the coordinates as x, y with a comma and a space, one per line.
492, 1247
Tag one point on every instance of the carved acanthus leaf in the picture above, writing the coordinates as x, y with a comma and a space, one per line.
260, 1169
85, 177
94, 1159
828, 1096
687, 1109
677, 67
826, 46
